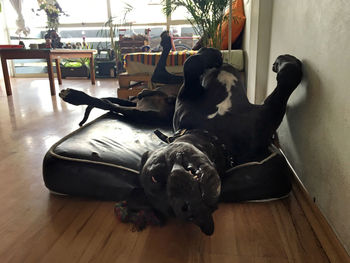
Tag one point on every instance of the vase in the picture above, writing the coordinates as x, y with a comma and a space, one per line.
55, 38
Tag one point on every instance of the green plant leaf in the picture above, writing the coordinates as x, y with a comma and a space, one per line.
206, 17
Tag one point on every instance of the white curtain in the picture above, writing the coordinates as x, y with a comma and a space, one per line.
21, 27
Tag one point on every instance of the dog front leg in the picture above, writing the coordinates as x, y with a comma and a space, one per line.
289, 74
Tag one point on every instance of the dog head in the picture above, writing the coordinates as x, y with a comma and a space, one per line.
180, 179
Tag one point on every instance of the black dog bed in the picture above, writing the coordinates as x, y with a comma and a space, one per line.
101, 160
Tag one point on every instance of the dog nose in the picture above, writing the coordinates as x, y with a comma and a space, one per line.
177, 167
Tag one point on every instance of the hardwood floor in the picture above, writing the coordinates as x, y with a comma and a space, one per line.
36, 226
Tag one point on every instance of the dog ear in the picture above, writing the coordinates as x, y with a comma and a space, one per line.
206, 224
144, 159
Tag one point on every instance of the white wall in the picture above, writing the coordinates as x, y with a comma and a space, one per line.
246, 47
315, 132
256, 46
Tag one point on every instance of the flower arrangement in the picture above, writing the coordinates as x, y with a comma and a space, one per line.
53, 12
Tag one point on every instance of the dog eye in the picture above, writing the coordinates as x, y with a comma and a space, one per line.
158, 180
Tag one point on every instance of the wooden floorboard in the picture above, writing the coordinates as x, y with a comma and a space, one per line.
36, 226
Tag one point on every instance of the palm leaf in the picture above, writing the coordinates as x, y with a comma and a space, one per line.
206, 17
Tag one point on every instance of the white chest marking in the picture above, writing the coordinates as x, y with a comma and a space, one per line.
229, 80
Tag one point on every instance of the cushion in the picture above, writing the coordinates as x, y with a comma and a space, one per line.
101, 160
238, 22
144, 62
267, 179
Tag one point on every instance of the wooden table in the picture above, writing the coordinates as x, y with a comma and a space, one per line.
49, 55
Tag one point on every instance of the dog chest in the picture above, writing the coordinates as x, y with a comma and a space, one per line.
228, 81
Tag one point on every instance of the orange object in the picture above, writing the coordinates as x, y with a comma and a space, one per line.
237, 23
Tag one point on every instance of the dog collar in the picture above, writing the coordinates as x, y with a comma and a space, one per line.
170, 139
214, 141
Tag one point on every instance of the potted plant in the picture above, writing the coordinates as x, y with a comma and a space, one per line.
109, 31
75, 68
206, 17
53, 11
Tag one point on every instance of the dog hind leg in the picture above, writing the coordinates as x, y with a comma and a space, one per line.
86, 115
149, 93
146, 116
121, 102
160, 74
77, 97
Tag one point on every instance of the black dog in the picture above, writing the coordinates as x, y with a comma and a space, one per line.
216, 127
151, 106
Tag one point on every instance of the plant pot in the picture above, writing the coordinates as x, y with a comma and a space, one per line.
82, 71
105, 69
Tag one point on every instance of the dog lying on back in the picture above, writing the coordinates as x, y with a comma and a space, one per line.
151, 106
215, 128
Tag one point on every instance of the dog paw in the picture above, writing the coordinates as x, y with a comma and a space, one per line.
283, 60
212, 57
165, 40
73, 96
288, 69
64, 93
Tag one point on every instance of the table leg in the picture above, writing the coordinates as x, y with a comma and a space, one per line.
6, 76
58, 70
92, 69
51, 76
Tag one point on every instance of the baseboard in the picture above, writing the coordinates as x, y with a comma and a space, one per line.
324, 232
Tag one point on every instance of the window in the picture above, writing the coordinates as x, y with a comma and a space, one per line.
180, 14
87, 17
84, 11
141, 11
31, 19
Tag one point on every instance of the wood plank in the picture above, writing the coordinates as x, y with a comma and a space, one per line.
326, 236
36, 226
